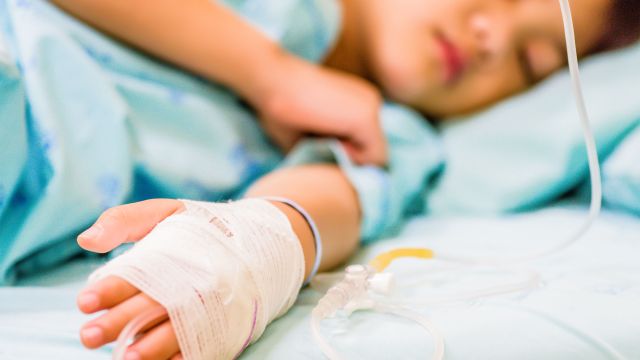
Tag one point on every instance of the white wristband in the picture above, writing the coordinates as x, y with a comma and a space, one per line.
314, 230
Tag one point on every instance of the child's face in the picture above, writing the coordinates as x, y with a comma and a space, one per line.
450, 57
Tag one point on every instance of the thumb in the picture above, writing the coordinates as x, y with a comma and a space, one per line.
126, 223
283, 137
367, 148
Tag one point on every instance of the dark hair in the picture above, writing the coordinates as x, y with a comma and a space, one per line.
623, 26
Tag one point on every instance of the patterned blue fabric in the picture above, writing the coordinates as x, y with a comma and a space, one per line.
88, 124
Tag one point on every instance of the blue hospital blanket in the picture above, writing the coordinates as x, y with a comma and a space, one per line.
89, 123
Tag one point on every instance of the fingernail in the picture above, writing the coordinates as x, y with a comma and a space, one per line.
88, 301
92, 335
132, 355
92, 233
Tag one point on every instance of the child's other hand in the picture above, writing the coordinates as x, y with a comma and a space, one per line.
307, 100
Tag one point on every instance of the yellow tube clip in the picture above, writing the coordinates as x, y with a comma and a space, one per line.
383, 260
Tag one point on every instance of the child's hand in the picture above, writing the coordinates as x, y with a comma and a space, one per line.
122, 301
304, 99
201, 261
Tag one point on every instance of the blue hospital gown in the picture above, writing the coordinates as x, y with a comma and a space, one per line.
87, 123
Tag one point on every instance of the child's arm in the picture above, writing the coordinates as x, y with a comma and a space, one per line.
322, 190
292, 96
199, 35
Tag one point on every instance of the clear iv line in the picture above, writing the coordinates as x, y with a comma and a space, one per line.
592, 154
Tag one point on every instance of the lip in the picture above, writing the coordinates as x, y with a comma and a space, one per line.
453, 59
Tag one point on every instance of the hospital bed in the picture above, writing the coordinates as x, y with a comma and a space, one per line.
585, 308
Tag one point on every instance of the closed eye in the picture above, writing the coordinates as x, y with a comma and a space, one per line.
526, 67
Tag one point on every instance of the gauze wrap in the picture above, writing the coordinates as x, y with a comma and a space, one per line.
222, 271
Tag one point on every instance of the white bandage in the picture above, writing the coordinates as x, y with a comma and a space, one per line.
222, 271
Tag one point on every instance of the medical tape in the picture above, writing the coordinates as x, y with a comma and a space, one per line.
222, 271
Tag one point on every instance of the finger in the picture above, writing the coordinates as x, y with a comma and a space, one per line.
177, 356
104, 294
283, 137
367, 148
375, 154
126, 223
351, 150
158, 343
108, 326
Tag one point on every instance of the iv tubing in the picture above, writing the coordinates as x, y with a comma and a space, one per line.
134, 327
531, 281
592, 153
437, 338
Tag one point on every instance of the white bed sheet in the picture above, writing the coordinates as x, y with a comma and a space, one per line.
587, 308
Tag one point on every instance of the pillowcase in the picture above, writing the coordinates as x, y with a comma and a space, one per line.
621, 175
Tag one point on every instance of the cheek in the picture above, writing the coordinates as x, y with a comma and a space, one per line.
402, 65
399, 76
473, 94
543, 57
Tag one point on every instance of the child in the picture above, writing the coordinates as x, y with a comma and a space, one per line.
441, 58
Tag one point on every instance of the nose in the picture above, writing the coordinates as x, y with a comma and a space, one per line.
490, 32
480, 26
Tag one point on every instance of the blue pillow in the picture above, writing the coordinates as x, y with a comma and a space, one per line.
621, 175
529, 149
